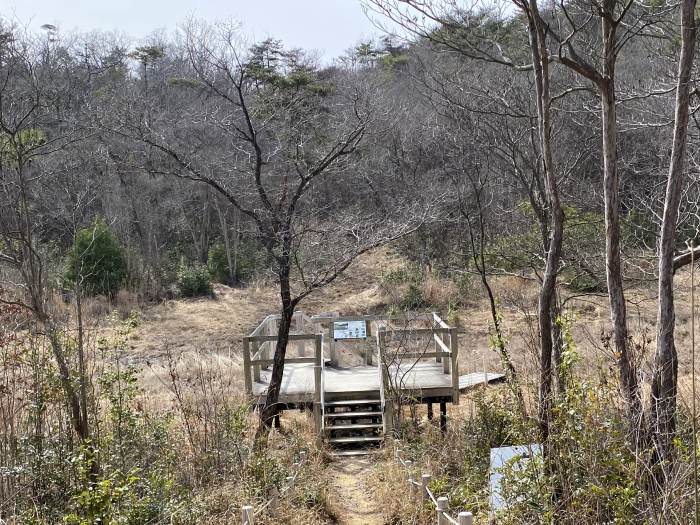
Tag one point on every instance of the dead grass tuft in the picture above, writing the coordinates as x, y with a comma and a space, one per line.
438, 291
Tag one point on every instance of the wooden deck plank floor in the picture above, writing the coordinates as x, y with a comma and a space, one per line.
298, 378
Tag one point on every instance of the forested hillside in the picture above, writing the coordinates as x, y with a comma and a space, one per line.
529, 171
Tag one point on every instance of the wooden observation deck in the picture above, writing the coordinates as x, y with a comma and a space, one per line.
352, 371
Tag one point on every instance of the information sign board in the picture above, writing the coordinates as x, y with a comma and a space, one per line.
349, 330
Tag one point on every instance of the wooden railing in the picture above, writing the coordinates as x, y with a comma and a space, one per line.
439, 339
446, 348
258, 353
249, 513
420, 489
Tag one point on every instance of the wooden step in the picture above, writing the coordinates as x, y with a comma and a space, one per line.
356, 439
351, 402
355, 426
358, 415
351, 453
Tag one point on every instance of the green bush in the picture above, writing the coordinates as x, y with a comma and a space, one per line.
96, 261
411, 275
249, 258
193, 280
218, 264
413, 299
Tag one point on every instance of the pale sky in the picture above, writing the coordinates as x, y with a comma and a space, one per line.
327, 26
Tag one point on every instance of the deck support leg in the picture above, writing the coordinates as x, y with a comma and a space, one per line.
318, 416
430, 411
278, 425
388, 418
443, 416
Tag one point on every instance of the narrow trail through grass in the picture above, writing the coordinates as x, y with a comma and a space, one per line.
351, 497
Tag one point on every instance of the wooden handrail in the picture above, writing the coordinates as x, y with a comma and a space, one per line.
442, 344
416, 317
248, 513
420, 355
263, 324
439, 321
421, 489
420, 331
292, 337
286, 360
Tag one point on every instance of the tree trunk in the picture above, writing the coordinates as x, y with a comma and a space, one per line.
557, 347
204, 230
230, 257
546, 303
82, 373
271, 408
479, 259
664, 383
616, 295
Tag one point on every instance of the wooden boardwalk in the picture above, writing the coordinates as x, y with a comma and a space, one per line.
426, 377
353, 370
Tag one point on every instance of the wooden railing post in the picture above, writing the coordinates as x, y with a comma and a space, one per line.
446, 363
256, 366
424, 481
318, 416
440, 510
331, 345
454, 349
246, 367
388, 417
247, 515
268, 351
318, 358
465, 518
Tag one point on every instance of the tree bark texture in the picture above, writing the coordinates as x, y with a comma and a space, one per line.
665, 374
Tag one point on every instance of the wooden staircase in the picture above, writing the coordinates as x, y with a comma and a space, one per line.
353, 427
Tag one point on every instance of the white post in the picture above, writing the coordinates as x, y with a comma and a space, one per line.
247, 515
424, 480
441, 509
409, 471
465, 518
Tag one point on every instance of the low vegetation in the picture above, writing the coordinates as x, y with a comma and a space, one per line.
526, 169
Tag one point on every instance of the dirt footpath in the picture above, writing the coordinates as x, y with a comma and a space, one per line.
350, 496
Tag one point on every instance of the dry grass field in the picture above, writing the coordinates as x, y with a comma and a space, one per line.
206, 332
199, 338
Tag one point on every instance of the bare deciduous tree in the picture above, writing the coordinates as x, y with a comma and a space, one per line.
263, 129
